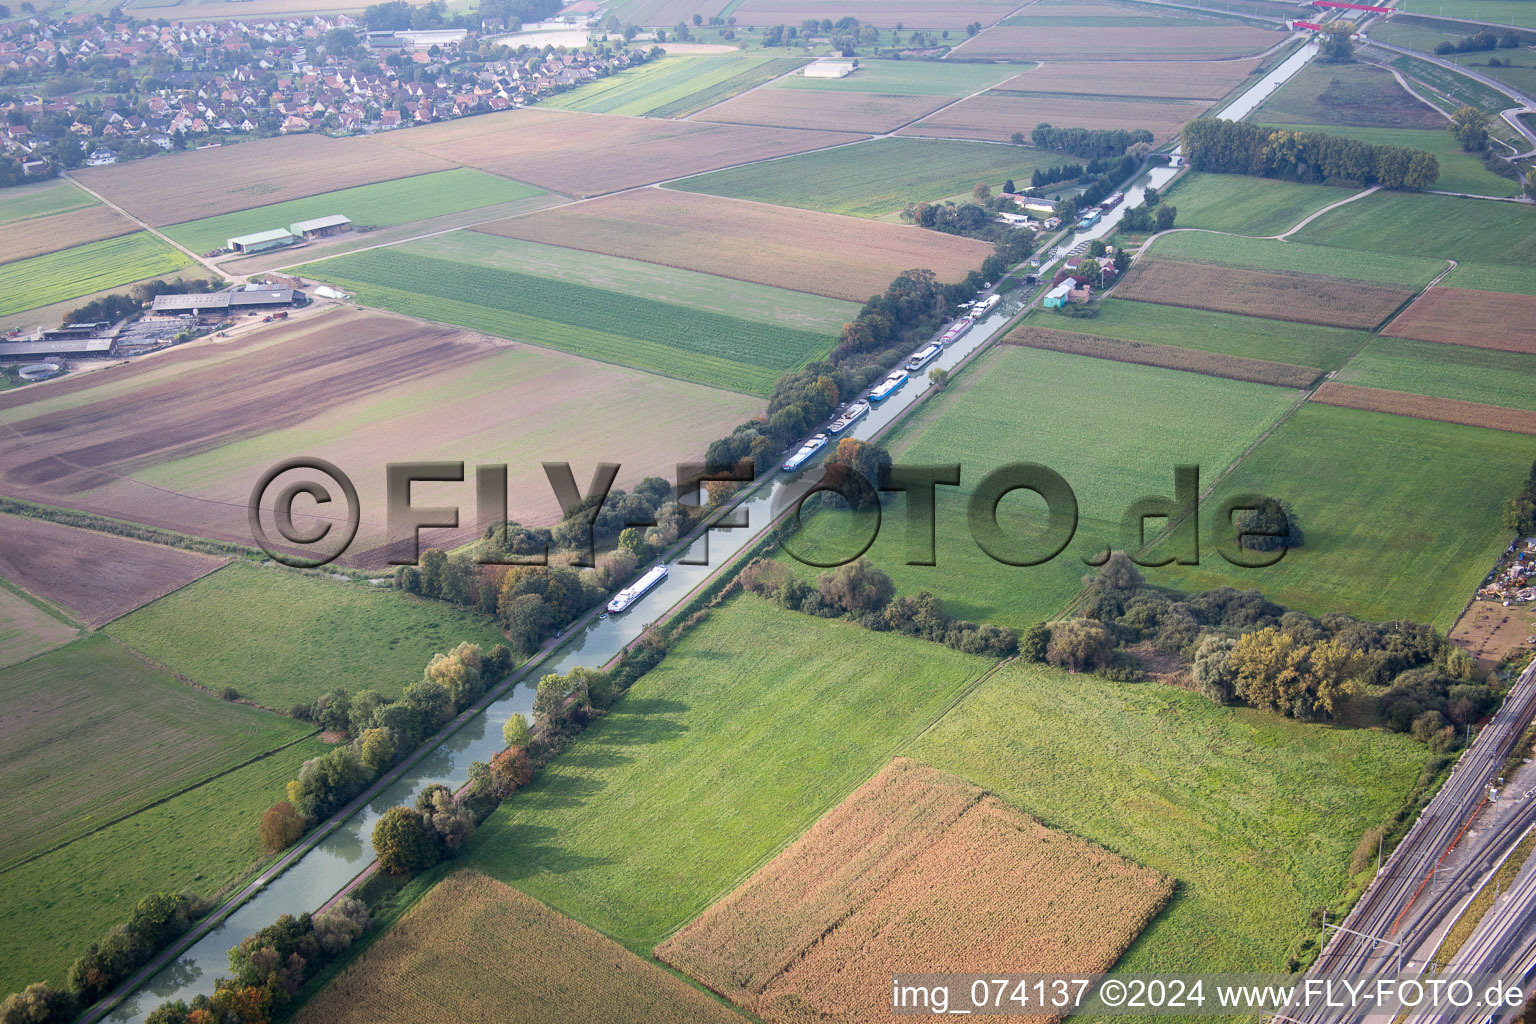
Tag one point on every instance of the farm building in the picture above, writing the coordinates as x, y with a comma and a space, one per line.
261, 241
1057, 297
235, 301
82, 346
830, 69
319, 227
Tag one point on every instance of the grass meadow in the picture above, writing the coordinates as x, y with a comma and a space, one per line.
1349, 94
1492, 277
875, 178
282, 637
1254, 815
1501, 12
1248, 206
43, 200
911, 78
673, 86
94, 733
1461, 372
28, 627
203, 840
65, 275
1453, 84
648, 334
1472, 230
758, 721
380, 205
1380, 265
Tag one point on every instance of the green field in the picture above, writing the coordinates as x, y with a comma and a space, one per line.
691, 344
757, 302
1326, 348
376, 206
1492, 277
28, 627
1255, 815
756, 723
1401, 516
1502, 12
203, 840
1383, 266
280, 637
1248, 206
1114, 431
1459, 172
673, 86
28, 201
1455, 85
93, 733
1475, 230
875, 178
1346, 94
59, 276
911, 78
1461, 372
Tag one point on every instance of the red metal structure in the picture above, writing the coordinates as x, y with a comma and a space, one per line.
1314, 26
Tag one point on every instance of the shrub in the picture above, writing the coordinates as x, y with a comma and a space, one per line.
404, 843
281, 826
1033, 644
1079, 645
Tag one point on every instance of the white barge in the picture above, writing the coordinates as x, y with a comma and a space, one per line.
636, 590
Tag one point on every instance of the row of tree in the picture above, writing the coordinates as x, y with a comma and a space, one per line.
1487, 39
1085, 142
1237, 147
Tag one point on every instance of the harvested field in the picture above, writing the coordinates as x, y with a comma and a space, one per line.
995, 116
861, 112
910, 869
60, 231
590, 154
213, 10
1213, 364
910, 13
820, 253
1422, 407
26, 630
1198, 80
189, 186
1304, 298
1007, 42
358, 389
476, 950
94, 576
1463, 316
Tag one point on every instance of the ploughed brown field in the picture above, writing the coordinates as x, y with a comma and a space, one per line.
916, 871
477, 951
95, 577
995, 116
1423, 407
1200, 80
822, 253
1214, 364
832, 110
179, 441
1034, 42
41, 235
885, 13
590, 154
187, 186
1464, 316
1302, 298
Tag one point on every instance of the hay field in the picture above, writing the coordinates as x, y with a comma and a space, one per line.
1197, 80
858, 112
910, 13
93, 732
189, 186
358, 389
1306, 298
74, 272
1214, 364
53, 232
477, 951
911, 869
1056, 42
1423, 407
590, 154
1463, 316
995, 116
1245, 205
839, 257
93, 576
26, 630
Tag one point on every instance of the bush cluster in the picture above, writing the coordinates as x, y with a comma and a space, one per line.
1237, 147
1085, 142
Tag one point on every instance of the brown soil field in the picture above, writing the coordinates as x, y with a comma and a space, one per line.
1488, 631
861, 112
26, 630
186, 186
1213, 364
1446, 410
1301, 298
50, 234
650, 13
822, 253
1200, 80
591, 154
995, 116
476, 951
216, 10
96, 577
1464, 316
884, 13
909, 873
178, 440
1028, 42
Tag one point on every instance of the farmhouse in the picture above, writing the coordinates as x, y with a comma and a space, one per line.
248, 298
319, 227
261, 241
1057, 296
830, 69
